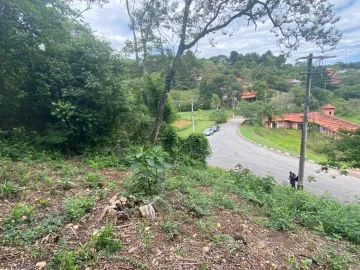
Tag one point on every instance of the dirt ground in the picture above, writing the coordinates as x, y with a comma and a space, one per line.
181, 123
237, 241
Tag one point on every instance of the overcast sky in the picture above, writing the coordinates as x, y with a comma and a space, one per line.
111, 21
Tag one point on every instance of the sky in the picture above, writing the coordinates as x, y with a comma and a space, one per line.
111, 22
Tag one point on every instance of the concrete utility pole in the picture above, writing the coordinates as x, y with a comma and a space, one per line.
305, 118
192, 114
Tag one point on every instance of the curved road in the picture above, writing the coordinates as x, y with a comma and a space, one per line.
229, 149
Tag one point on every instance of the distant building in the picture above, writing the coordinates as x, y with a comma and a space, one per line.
295, 82
248, 96
239, 79
325, 121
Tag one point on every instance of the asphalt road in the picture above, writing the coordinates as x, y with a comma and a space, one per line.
230, 149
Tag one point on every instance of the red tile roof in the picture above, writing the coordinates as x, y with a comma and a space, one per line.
329, 122
246, 95
328, 106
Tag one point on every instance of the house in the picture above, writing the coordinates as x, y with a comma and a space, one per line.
248, 96
239, 79
325, 121
295, 82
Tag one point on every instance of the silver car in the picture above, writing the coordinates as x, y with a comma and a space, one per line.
208, 132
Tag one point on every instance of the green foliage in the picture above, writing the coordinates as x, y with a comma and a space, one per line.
330, 258
76, 207
103, 161
20, 214
106, 239
219, 116
206, 227
8, 190
94, 180
215, 101
345, 151
22, 227
148, 167
197, 147
171, 228
145, 233
169, 139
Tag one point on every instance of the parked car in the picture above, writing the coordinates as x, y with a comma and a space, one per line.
208, 132
215, 128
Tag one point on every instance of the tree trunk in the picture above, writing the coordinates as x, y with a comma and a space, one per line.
162, 103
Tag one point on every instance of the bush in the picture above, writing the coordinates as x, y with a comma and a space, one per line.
197, 147
169, 139
76, 207
219, 116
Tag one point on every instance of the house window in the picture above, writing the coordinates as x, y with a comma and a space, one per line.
300, 126
330, 113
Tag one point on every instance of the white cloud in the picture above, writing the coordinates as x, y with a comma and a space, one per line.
111, 21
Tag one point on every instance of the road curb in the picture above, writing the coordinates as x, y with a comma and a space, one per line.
274, 150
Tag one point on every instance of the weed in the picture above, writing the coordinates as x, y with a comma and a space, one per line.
181, 251
20, 214
101, 162
206, 227
223, 201
65, 259
8, 190
94, 180
105, 239
145, 233
135, 262
303, 264
76, 207
333, 260
15, 232
111, 185
198, 202
49, 181
171, 229
220, 240
44, 202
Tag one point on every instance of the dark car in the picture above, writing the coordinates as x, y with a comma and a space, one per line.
215, 128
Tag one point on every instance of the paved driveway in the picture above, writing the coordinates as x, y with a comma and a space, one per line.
229, 149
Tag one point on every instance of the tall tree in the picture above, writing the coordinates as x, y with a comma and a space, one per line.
188, 21
234, 57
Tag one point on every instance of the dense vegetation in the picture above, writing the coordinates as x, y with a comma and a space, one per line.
75, 132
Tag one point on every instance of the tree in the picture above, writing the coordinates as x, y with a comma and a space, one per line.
293, 22
215, 101
234, 57
346, 150
261, 89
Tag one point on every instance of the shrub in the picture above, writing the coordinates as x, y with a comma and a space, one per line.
197, 147
171, 229
76, 207
149, 166
219, 116
169, 139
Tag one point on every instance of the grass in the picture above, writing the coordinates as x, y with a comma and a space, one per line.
201, 119
287, 140
353, 119
204, 203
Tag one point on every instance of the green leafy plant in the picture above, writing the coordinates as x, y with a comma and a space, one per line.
44, 202
145, 233
196, 147
8, 189
206, 227
20, 214
106, 239
171, 228
94, 180
76, 207
149, 166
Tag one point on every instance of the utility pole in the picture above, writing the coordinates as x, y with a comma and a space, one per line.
192, 114
305, 118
